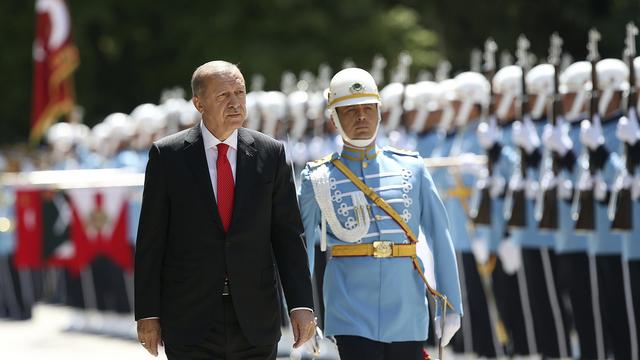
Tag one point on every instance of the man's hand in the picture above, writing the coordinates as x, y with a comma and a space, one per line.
304, 326
149, 335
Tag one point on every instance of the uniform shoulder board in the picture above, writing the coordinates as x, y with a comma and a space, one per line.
323, 160
401, 151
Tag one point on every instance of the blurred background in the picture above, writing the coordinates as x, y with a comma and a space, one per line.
130, 51
90, 84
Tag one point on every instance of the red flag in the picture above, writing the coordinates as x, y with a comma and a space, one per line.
29, 229
99, 226
55, 59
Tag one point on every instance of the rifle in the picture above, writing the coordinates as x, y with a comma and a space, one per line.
549, 210
517, 217
622, 201
584, 203
481, 214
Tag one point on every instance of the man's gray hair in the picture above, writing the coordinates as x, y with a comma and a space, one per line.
206, 70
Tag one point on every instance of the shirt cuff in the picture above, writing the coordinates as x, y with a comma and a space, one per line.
301, 308
149, 318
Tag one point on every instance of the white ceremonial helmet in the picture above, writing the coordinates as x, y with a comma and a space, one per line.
60, 136
576, 78
173, 108
81, 133
353, 86
508, 83
613, 75
540, 83
189, 115
636, 68
297, 102
253, 109
471, 89
447, 96
391, 98
149, 118
121, 126
274, 108
421, 97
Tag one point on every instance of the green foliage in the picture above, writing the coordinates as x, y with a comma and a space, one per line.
131, 50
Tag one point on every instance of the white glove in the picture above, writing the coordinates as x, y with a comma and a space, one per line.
487, 134
310, 349
628, 130
557, 139
510, 255
565, 189
480, 250
451, 326
600, 188
591, 135
635, 188
525, 135
531, 188
497, 185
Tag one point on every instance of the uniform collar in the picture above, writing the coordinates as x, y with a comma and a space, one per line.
211, 141
359, 154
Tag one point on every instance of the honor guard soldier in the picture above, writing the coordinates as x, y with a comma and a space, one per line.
367, 204
425, 108
629, 132
599, 163
509, 283
479, 333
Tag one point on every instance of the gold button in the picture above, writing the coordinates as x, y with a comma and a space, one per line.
378, 217
365, 165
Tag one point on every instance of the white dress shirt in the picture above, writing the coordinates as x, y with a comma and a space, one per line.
211, 152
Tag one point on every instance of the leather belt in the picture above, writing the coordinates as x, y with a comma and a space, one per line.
377, 249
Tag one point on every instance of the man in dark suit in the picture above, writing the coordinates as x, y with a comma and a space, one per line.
219, 206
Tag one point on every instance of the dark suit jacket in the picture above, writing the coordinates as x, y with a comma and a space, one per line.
183, 253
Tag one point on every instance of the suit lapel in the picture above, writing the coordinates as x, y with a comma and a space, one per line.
245, 174
196, 158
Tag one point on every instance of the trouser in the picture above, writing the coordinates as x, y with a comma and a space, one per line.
611, 293
551, 337
475, 335
225, 340
574, 283
507, 289
633, 297
360, 348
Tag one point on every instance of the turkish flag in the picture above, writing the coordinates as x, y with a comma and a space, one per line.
55, 59
99, 226
29, 230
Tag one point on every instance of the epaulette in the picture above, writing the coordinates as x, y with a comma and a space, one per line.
401, 151
323, 160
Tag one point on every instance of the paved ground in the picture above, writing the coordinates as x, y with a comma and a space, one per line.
52, 334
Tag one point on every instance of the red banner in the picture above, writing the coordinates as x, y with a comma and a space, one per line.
55, 59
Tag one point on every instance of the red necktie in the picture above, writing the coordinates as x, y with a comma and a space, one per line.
225, 186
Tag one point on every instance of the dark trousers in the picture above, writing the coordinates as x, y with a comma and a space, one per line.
359, 348
476, 324
548, 320
574, 287
634, 280
224, 341
507, 293
612, 306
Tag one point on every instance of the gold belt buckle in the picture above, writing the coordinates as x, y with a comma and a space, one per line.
382, 249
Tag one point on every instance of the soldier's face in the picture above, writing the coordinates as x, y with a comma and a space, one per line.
223, 102
358, 121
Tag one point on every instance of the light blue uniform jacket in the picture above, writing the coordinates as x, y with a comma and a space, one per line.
381, 299
530, 237
603, 241
567, 239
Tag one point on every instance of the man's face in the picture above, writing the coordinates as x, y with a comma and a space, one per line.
223, 101
358, 121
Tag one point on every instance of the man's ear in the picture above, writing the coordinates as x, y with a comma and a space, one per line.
196, 102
